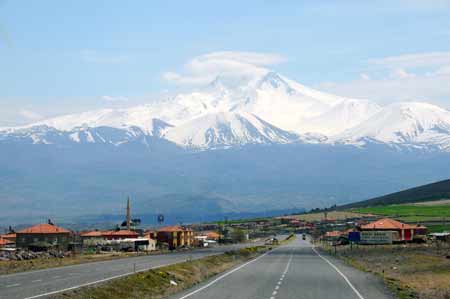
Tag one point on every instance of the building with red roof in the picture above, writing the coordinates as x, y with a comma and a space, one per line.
213, 236
175, 236
95, 237
5, 243
119, 234
43, 237
405, 231
10, 237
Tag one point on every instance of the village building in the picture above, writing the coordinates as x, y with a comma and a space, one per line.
206, 239
9, 237
42, 237
4, 243
332, 236
175, 236
213, 236
97, 237
118, 240
403, 232
119, 234
92, 238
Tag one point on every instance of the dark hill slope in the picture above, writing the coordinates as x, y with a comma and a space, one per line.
434, 191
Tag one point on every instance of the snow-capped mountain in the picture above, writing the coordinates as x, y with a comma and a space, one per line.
264, 110
226, 129
411, 124
344, 115
44, 134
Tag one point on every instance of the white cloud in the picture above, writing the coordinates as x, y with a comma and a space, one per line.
203, 69
30, 115
364, 76
430, 59
401, 74
114, 99
423, 76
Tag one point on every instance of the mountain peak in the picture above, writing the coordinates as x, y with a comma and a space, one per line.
274, 81
225, 129
407, 123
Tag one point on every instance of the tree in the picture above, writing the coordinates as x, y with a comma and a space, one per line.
238, 235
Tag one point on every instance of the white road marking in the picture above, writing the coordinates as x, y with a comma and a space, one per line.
97, 281
103, 280
340, 273
37, 280
277, 287
13, 285
223, 276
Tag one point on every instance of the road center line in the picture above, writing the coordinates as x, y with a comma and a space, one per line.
13, 285
277, 287
223, 276
340, 273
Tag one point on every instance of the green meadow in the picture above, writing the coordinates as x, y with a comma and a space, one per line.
436, 217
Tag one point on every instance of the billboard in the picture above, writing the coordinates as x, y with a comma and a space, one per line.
354, 237
378, 237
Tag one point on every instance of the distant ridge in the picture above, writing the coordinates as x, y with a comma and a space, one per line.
430, 192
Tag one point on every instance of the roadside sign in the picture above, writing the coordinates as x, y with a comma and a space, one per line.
377, 237
354, 236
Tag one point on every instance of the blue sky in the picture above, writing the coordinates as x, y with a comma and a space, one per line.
69, 56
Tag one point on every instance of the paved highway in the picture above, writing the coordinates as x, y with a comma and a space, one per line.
295, 270
43, 283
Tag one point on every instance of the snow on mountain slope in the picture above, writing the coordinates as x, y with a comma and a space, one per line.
276, 99
265, 109
140, 116
284, 103
47, 135
225, 129
344, 115
409, 123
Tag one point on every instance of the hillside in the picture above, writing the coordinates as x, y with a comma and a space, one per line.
430, 192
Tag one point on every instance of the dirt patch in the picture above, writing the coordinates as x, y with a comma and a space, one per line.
338, 215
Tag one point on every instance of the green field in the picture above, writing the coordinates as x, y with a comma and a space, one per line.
438, 228
411, 213
434, 211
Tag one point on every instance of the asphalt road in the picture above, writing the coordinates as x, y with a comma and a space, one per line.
292, 271
42, 283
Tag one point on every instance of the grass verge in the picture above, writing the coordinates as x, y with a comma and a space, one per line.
410, 271
164, 281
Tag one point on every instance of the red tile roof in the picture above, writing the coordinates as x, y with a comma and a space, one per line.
213, 235
95, 233
120, 233
334, 234
175, 228
4, 242
110, 233
8, 236
43, 229
387, 223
